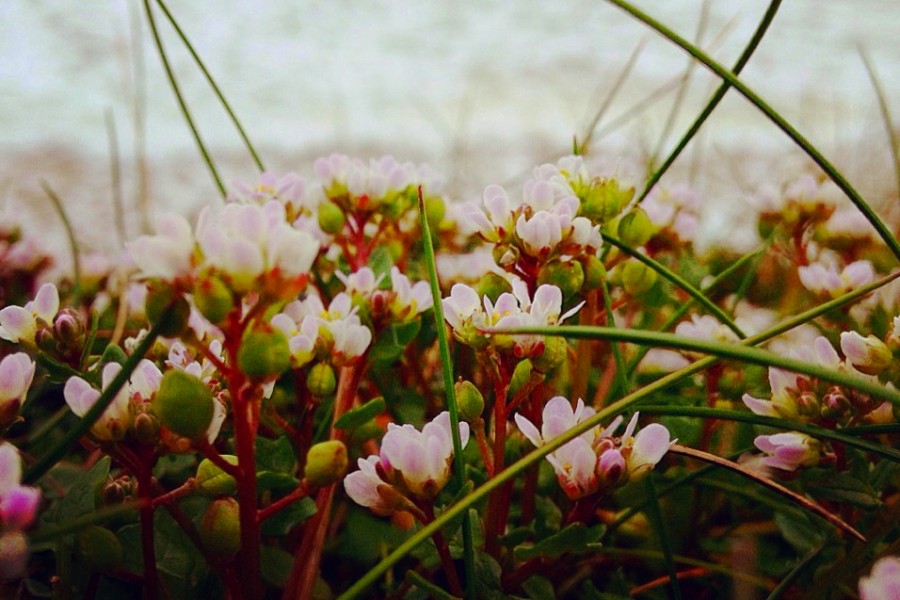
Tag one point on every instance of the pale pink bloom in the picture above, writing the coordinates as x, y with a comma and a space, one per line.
661, 360
363, 487
469, 267
825, 279
20, 323
289, 190
883, 583
585, 234
643, 451
542, 232
706, 328
498, 223
16, 375
788, 451
868, 354
461, 305
351, 339
301, 337
409, 299
169, 253
362, 282
18, 508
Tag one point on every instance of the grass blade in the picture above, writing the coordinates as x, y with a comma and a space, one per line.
70, 235
885, 114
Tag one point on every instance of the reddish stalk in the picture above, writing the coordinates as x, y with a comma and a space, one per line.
443, 550
494, 522
145, 492
298, 494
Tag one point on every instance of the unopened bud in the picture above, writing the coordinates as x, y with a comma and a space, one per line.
835, 403
213, 299
605, 200
638, 278
635, 228
326, 462
112, 493
521, 375
67, 327
868, 354
492, 285
99, 548
555, 352
505, 255
331, 217
435, 210
184, 404
212, 480
469, 400
44, 339
567, 276
321, 380
145, 428
220, 528
594, 273
264, 353
166, 309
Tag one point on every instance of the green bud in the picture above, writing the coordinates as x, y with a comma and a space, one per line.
165, 308
220, 528
492, 285
264, 353
326, 463
638, 278
213, 299
520, 377
395, 249
331, 217
505, 255
184, 404
321, 380
636, 228
567, 276
594, 273
605, 200
469, 400
99, 548
212, 480
555, 352
435, 210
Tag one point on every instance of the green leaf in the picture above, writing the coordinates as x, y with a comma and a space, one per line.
268, 480
287, 518
276, 565
80, 498
572, 539
360, 415
799, 531
390, 343
275, 455
844, 487
539, 588
380, 261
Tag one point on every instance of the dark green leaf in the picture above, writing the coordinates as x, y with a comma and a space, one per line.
539, 588
843, 487
267, 480
275, 455
572, 539
80, 498
362, 414
276, 565
390, 343
799, 531
287, 518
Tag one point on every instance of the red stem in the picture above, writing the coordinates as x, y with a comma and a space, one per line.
145, 491
443, 551
298, 494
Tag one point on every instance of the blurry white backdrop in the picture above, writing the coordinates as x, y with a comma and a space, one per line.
482, 91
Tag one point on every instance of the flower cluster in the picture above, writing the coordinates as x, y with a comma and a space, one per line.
18, 508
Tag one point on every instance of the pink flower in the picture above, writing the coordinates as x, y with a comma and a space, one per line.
409, 299
18, 507
883, 583
825, 279
788, 451
868, 354
366, 488
168, 254
16, 374
20, 323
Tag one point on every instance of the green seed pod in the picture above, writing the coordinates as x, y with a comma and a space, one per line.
331, 217
638, 278
594, 273
555, 351
184, 404
636, 228
212, 480
99, 548
567, 276
492, 285
213, 299
220, 528
164, 307
469, 400
264, 353
520, 377
326, 462
321, 380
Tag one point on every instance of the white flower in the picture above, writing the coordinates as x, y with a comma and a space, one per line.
825, 279
409, 300
883, 583
20, 323
169, 253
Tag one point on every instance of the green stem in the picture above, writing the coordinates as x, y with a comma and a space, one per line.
655, 514
447, 369
885, 114
886, 235
181, 102
621, 377
213, 85
70, 236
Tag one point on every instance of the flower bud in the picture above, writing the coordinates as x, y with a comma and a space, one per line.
220, 528
505, 255
868, 354
99, 548
213, 299
164, 308
520, 377
212, 480
326, 462
469, 400
44, 339
68, 327
145, 428
567, 276
331, 217
635, 228
638, 278
555, 352
835, 404
435, 210
264, 353
184, 404
321, 380
492, 285
594, 273
605, 200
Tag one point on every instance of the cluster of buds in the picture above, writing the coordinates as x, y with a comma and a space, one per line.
403, 302
413, 466
597, 460
18, 507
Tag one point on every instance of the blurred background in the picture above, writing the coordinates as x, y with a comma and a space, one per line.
482, 91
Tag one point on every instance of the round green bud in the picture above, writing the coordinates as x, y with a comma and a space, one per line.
605, 200
212, 480
220, 528
264, 353
567, 276
167, 310
184, 404
594, 273
638, 278
555, 352
326, 462
520, 377
331, 217
99, 548
469, 400
321, 380
395, 249
636, 228
505, 255
213, 299
492, 285
435, 210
